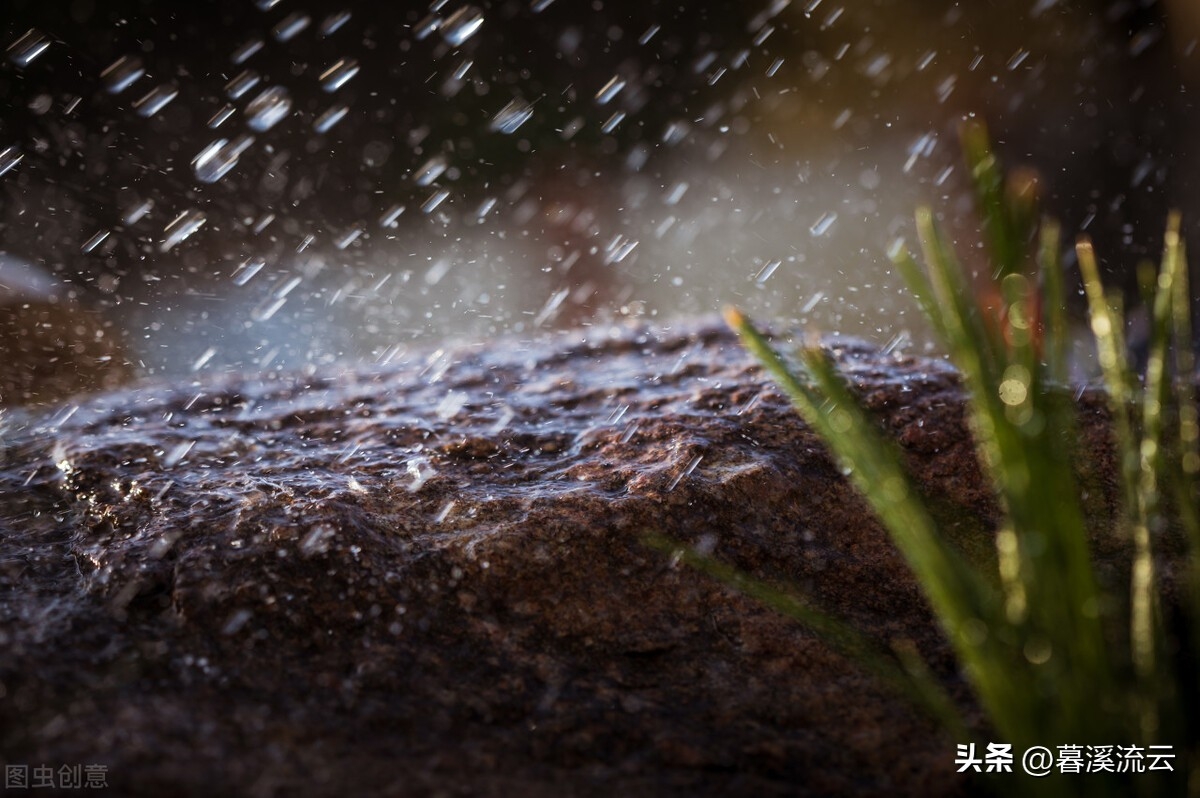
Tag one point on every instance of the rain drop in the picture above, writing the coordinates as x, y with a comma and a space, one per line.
180, 228
246, 270
218, 158
332, 115
610, 90
241, 84
512, 116
290, 26
339, 74
332, 23
9, 158
268, 109
462, 25
431, 171
122, 73
28, 47
822, 225
155, 100
246, 51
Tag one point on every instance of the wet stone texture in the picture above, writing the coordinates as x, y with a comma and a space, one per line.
430, 578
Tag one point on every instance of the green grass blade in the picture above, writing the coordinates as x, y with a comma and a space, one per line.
908, 678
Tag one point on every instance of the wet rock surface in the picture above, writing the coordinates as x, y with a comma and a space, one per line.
430, 578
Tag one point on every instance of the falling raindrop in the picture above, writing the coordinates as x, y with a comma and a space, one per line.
538, 6
421, 471
180, 228
28, 47
612, 122
221, 116
765, 273
610, 90
462, 25
241, 84
290, 26
122, 73
512, 116
202, 361
435, 199
219, 157
155, 100
349, 238
822, 225
332, 23
268, 109
389, 217
94, 241
244, 53
136, 212
332, 115
430, 171
246, 270
9, 158
339, 74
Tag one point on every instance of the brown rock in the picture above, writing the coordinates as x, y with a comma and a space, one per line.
431, 580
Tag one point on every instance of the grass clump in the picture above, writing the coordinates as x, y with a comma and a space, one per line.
1054, 656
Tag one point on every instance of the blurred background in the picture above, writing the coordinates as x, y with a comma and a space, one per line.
263, 185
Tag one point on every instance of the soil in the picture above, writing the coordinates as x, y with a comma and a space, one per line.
432, 578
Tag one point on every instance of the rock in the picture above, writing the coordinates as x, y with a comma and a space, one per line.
431, 579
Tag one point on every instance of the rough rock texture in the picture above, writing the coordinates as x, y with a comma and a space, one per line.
431, 579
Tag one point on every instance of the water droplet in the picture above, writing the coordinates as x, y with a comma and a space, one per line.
244, 53
421, 471
512, 116
247, 269
612, 122
332, 115
389, 217
685, 473
431, 171
290, 26
339, 74
266, 5
9, 158
452, 403
485, 207
333, 22
94, 241
822, 225
219, 157
435, 199
349, 238
202, 361
136, 212
268, 109
180, 228
28, 47
610, 90
538, 6
221, 116
676, 194
426, 26
241, 84
122, 73
155, 100
462, 25
765, 273
650, 33
177, 454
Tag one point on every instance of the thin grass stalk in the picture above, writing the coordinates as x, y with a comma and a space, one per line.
908, 677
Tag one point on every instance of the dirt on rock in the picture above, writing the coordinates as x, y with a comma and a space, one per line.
432, 578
